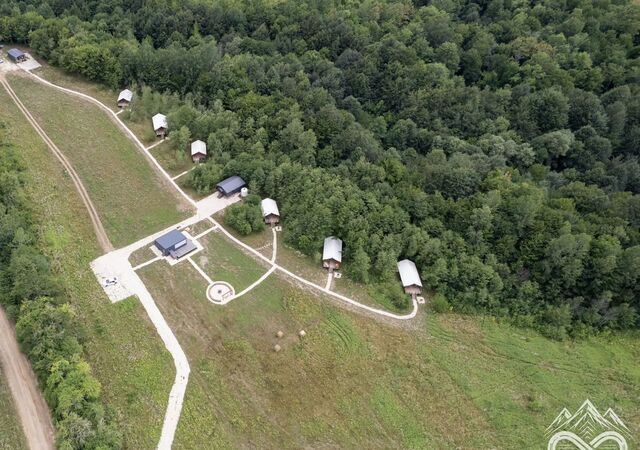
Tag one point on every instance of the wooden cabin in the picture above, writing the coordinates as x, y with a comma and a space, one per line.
332, 253
410, 277
270, 212
198, 151
160, 125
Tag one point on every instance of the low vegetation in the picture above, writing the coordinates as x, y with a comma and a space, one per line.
126, 356
117, 176
44, 319
11, 434
356, 383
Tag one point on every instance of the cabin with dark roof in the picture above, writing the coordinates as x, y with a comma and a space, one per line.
230, 186
174, 244
16, 55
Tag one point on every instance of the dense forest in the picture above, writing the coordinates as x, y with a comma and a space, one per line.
45, 324
493, 142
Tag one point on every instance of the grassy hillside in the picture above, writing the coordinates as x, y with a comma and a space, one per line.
11, 435
354, 382
131, 199
122, 347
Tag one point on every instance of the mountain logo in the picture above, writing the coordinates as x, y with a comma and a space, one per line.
587, 429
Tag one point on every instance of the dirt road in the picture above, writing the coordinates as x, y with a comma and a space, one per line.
31, 407
101, 234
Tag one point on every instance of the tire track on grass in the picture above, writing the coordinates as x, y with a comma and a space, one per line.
101, 234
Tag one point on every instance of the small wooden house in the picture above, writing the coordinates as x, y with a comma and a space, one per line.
270, 211
125, 98
160, 125
332, 253
198, 151
410, 277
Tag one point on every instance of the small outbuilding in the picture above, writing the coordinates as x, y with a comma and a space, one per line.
125, 98
16, 55
174, 244
230, 186
332, 253
198, 151
410, 277
270, 211
160, 125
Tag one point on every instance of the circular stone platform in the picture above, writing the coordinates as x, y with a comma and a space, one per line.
220, 291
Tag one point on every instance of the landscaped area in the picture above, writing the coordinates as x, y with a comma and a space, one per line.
125, 353
131, 198
222, 260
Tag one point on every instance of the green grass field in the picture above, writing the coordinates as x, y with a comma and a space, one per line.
70, 81
125, 353
222, 260
11, 434
131, 199
355, 382
312, 270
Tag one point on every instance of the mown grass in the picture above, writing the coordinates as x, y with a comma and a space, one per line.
312, 270
222, 260
11, 434
356, 382
121, 345
131, 199
70, 81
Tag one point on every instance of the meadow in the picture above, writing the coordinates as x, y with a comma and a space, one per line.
440, 381
132, 200
122, 347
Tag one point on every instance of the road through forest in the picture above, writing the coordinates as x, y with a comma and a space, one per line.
30, 405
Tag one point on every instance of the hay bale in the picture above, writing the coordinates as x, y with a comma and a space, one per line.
279, 333
302, 333
277, 348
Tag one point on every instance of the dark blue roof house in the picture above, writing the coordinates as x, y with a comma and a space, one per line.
231, 185
16, 55
174, 244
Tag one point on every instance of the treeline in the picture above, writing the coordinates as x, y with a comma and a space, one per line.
47, 334
494, 143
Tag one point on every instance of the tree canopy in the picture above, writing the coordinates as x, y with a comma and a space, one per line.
494, 143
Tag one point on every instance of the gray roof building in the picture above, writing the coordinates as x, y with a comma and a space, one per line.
16, 55
231, 185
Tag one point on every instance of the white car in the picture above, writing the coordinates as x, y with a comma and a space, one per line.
106, 282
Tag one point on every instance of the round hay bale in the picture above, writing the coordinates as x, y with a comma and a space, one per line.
279, 333
302, 333
277, 348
